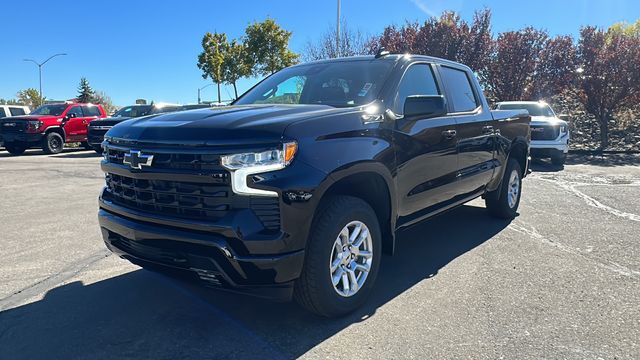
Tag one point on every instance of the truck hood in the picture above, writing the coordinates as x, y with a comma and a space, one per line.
547, 120
44, 118
110, 121
231, 125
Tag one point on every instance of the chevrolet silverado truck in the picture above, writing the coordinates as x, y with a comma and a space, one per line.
299, 187
549, 132
49, 127
97, 129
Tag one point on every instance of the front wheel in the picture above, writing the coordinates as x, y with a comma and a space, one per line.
503, 202
53, 143
342, 258
558, 158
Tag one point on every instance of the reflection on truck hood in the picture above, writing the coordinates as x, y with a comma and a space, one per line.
219, 126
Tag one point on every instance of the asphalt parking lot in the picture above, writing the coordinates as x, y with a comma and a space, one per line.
560, 281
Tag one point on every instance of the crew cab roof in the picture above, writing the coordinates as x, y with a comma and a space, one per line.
390, 57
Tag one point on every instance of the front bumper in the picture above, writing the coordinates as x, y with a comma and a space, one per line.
95, 137
208, 258
28, 138
546, 147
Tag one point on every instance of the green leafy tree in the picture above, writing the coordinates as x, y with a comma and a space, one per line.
30, 97
267, 47
235, 65
85, 92
212, 58
9, 102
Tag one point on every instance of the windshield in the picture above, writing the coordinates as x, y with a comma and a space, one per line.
55, 110
537, 109
133, 111
339, 84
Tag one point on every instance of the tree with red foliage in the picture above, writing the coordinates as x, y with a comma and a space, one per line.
611, 73
556, 68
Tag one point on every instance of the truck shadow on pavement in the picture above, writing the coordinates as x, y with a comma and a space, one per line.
141, 314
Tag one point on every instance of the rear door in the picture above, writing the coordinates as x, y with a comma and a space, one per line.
426, 150
476, 130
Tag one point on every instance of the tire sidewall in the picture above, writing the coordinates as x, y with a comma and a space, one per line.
513, 165
322, 247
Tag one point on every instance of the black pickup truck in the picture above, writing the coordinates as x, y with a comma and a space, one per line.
299, 187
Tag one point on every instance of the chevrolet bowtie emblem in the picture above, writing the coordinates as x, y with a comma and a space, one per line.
136, 159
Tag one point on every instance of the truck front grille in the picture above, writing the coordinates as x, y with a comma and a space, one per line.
12, 126
173, 161
170, 198
544, 132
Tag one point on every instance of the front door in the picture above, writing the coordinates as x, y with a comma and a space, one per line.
75, 125
426, 151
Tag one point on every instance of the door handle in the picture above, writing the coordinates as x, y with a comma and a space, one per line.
487, 129
449, 134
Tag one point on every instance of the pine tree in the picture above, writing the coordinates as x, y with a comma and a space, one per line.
85, 92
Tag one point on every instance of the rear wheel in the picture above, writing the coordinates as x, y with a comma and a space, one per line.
97, 149
15, 148
86, 145
503, 202
342, 258
53, 143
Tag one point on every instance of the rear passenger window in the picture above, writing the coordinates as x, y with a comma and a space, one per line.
2, 113
91, 111
15, 111
75, 110
417, 80
460, 90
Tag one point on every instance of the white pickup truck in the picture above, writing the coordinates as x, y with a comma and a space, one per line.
549, 132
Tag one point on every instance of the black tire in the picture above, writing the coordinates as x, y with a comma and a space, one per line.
97, 149
558, 158
314, 289
15, 149
53, 143
86, 146
497, 201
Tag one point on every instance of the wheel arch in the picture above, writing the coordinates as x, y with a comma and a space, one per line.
56, 129
371, 182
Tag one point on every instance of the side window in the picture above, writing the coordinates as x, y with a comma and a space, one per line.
417, 80
2, 113
75, 110
16, 111
460, 89
91, 111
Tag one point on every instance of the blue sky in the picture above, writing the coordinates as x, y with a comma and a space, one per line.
144, 49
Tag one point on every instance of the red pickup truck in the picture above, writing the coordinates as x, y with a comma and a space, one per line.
49, 126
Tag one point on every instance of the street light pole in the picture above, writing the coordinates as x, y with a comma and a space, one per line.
338, 32
40, 71
200, 89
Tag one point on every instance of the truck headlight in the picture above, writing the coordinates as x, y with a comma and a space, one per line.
34, 125
245, 164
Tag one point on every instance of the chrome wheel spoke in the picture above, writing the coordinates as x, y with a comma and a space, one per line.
335, 264
363, 267
361, 238
345, 282
353, 280
355, 233
337, 276
366, 254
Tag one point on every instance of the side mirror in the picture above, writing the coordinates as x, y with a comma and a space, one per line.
70, 116
425, 106
564, 117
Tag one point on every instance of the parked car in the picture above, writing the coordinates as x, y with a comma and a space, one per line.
299, 187
549, 132
12, 110
49, 126
98, 128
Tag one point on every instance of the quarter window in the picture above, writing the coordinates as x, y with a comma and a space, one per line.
458, 84
417, 80
16, 111
2, 113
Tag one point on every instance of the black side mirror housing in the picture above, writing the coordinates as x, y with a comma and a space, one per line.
425, 106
